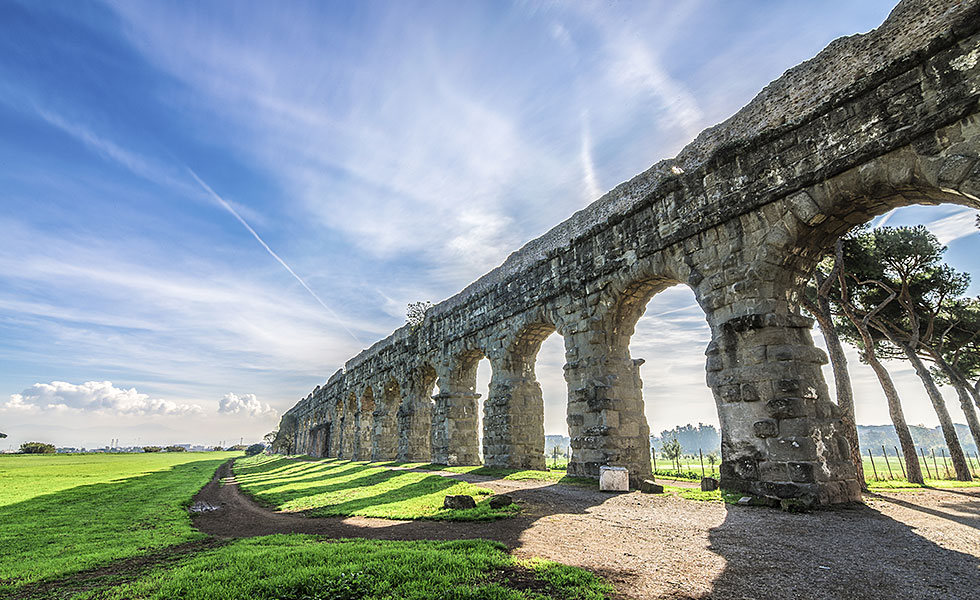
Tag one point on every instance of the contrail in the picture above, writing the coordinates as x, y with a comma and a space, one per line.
272, 253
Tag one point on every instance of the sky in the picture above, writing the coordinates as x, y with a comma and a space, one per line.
208, 207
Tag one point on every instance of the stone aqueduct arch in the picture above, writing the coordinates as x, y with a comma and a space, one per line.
741, 215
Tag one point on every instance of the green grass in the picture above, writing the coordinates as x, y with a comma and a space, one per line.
60, 514
556, 475
332, 487
881, 468
694, 493
61, 517
297, 567
899, 484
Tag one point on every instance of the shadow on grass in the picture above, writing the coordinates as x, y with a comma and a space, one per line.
502, 473
360, 489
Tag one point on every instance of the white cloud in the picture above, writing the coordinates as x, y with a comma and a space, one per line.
954, 227
94, 396
246, 404
589, 177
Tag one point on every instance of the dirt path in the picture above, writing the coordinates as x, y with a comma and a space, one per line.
916, 545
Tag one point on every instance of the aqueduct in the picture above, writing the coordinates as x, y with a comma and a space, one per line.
741, 215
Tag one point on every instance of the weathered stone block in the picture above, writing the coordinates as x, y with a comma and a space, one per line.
791, 448
786, 408
787, 385
460, 502
709, 484
500, 501
613, 479
648, 486
803, 472
765, 429
749, 393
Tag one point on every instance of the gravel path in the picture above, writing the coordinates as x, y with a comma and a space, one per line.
918, 545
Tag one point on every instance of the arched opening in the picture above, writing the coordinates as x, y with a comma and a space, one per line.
670, 336
923, 411
660, 329
550, 373
484, 373
783, 436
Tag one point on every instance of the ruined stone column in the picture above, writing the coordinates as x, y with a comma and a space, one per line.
606, 422
455, 438
781, 435
349, 446
384, 442
513, 423
415, 418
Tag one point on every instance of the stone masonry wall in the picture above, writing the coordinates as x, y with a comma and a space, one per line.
740, 216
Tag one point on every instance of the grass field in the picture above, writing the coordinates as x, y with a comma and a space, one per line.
933, 470
115, 527
332, 487
879, 477
61, 514
297, 567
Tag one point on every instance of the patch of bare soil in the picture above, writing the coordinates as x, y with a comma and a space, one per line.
920, 544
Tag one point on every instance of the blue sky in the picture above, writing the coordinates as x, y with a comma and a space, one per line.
207, 207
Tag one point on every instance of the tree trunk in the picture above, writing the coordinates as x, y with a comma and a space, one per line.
842, 382
914, 470
939, 404
963, 393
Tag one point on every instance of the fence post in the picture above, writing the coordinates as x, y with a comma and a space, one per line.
934, 463
900, 463
653, 453
887, 464
701, 458
875, 470
925, 461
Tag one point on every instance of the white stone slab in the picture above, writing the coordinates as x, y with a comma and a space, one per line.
614, 479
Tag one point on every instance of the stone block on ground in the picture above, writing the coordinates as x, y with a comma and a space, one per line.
614, 479
648, 486
500, 501
709, 484
460, 502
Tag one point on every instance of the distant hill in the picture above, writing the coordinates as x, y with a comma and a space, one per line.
873, 436
702, 437
708, 439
